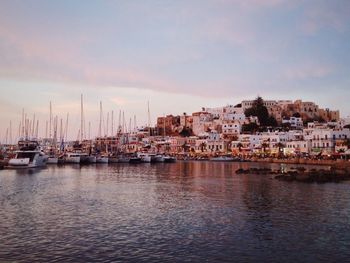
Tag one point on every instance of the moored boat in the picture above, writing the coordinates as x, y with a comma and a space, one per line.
52, 160
146, 157
101, 159
222, 159
29, 155
72, 157
169, 159
159, 158
135, 160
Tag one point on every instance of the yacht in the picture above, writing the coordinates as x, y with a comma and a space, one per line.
29, 155
87, 159
101, 159
159, 158
72, 157
224, 159
169, 159
146, 157
52, 160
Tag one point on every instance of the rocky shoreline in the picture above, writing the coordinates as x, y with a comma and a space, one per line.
345, 164
301, 174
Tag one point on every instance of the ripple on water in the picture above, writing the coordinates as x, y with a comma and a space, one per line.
185, 212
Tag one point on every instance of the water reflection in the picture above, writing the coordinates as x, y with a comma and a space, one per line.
187, 211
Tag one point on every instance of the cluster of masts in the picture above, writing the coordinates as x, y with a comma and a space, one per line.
56, 129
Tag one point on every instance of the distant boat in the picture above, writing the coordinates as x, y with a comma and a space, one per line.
146, 157
135, 160
29, 155
72, 157
101, 159
159, 158
52, 160
169, 159
224, 159
123, 159
87, 159
113, 159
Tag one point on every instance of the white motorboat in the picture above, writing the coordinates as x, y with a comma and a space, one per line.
101, 159
222, 159
29, 155
169, 159
159, 158
52, 160
72, 157
123, 159
87, 159
146, 157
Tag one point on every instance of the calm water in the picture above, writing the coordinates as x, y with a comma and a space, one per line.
182, 212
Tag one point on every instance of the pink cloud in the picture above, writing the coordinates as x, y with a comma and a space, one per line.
307, 71
326, 15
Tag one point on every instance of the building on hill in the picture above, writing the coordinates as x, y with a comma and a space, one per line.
167, 125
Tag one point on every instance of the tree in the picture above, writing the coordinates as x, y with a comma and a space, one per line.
203, 146
280, 148
264, 145
239, 145
186, 132
250, 127
259, 110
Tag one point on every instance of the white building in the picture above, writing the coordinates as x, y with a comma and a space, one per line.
295, 122
231, 128
297, 147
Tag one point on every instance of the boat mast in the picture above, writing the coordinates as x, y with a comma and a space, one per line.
19, 129
61, 129
37, 129
112, 124
130, 125
134, 123
66, 128
46, 129
22, 134
54, 140
100, 125
106, 133
33, 127
149, 119
89, 130
81, 118
50, 120
10, 137
119, 122
7, 131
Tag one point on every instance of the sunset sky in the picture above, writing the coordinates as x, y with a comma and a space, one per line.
180, 55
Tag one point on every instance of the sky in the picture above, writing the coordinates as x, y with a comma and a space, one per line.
179, 55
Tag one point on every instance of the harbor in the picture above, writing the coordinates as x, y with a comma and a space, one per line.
174, 131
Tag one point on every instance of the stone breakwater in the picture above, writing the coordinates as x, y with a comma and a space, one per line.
301, 174
333, 163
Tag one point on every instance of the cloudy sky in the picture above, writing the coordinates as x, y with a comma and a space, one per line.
180, 55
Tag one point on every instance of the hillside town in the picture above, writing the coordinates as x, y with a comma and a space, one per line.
258, 127
253, 128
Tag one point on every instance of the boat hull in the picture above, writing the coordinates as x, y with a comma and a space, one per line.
101, 159
72, 159
22, 163
52, 160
